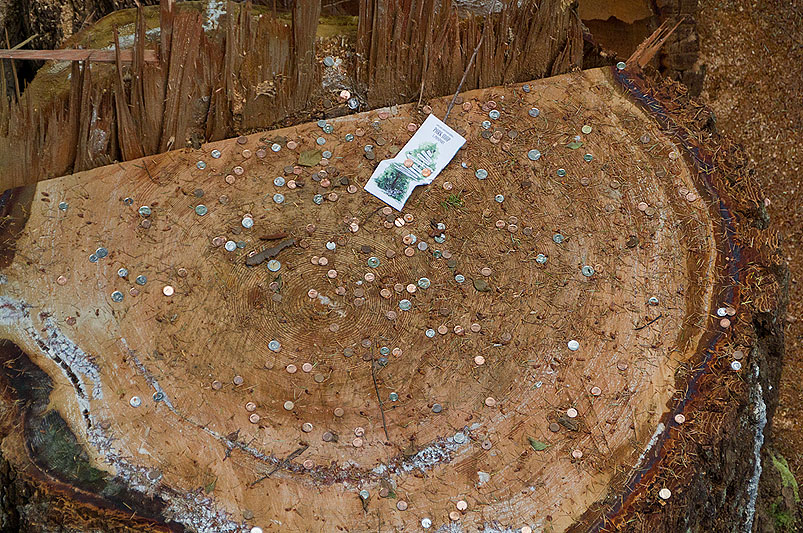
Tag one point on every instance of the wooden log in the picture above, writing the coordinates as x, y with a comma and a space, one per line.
99, 56
210, 395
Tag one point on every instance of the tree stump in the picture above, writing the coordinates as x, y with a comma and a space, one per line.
571, 329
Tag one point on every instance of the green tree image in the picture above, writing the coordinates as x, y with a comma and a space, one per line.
395, 180
424, 156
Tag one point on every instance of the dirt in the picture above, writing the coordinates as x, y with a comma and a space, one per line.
753, 55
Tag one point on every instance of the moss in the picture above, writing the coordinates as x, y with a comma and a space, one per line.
787, 478
784, 520
56, 449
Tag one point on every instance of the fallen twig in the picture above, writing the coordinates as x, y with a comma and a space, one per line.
269, 253
650, 322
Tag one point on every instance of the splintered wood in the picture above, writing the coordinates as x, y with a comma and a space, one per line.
409, 45
501, 354
235, 68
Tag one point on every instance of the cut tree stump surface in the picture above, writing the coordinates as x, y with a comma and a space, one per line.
231, 396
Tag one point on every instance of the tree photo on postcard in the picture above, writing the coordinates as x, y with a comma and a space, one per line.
395, 180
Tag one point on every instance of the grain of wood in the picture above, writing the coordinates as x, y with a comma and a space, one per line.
219, 322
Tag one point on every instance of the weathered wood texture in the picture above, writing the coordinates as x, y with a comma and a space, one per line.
406, 45
101, 56
257, 71
175, 407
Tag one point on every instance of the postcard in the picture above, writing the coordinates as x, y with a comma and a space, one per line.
424, 156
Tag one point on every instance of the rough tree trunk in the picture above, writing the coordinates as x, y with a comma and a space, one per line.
252, 69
